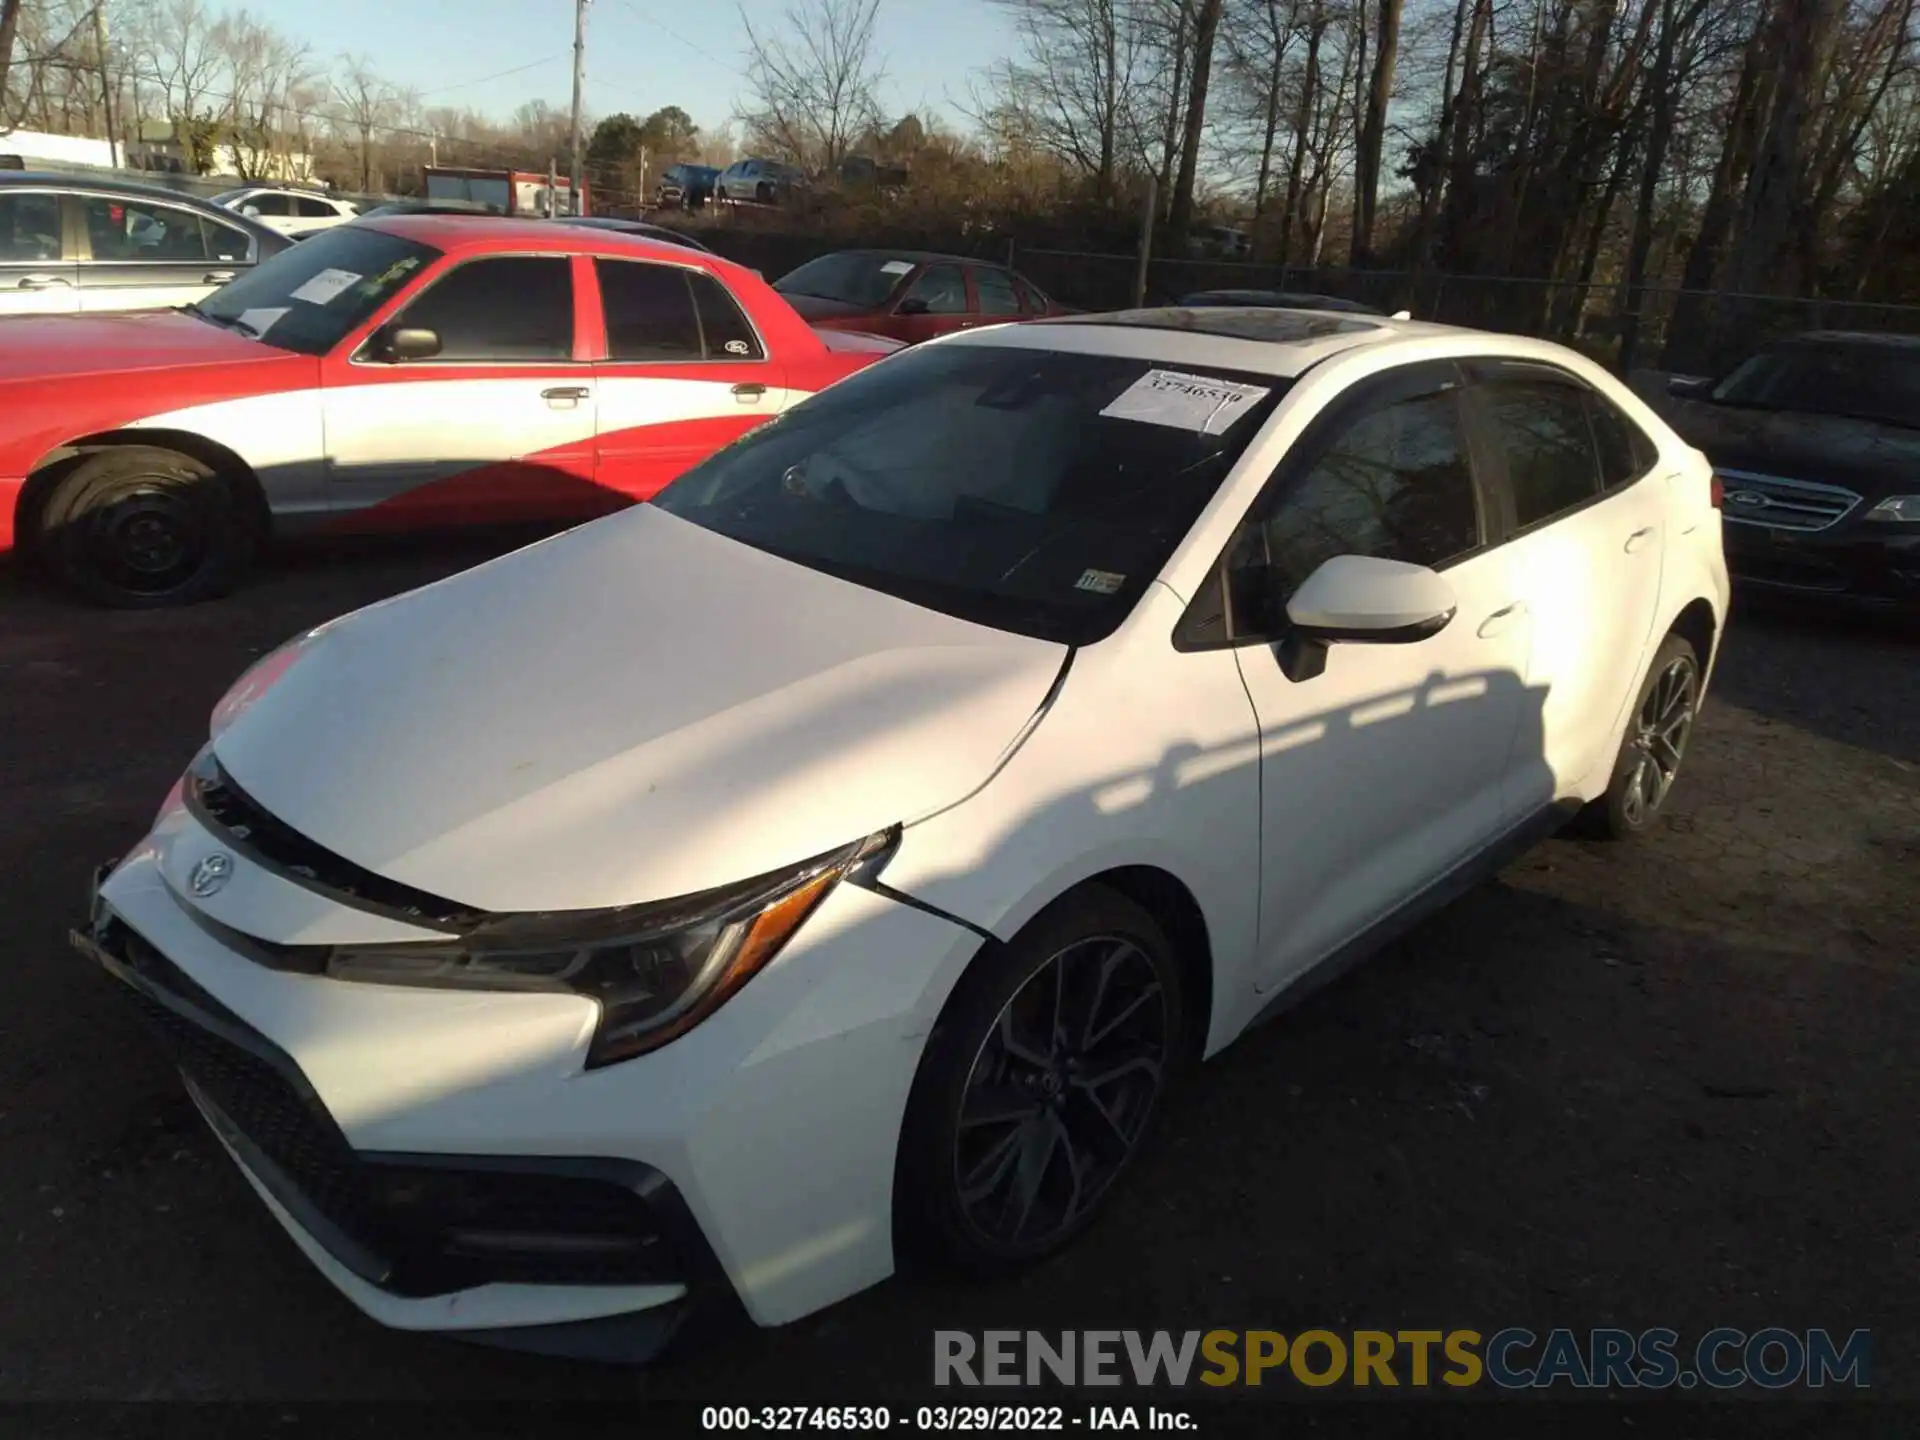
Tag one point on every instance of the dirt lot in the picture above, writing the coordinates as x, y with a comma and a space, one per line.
1665, 1084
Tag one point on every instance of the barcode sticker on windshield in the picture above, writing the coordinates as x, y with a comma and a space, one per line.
1185, 402
896, 267
325, 286
1100, 582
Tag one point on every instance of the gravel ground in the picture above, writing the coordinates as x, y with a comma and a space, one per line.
1670, 1083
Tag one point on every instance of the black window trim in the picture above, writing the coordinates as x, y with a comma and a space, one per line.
77, 197
1483, 370
1408, 381
363, 352
606, 341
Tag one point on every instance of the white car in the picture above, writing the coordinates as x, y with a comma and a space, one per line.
290, 211
841, 854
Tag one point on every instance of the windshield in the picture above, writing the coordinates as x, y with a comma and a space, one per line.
1859, 382
1030, 490
229, 197
854, 279
309, 297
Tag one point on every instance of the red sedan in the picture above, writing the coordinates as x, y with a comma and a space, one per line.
910, 295
409, 371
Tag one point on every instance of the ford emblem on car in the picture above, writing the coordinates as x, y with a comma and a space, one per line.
210, 874
1752, 499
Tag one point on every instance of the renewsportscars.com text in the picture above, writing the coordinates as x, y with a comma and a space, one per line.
1508, 1359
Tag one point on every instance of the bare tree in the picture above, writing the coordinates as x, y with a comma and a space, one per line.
811, 86
1206, 26
266, 71
9, 29
184, 49
1075, 81
366, 105
1366, 175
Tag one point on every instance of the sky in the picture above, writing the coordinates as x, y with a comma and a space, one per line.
641, 54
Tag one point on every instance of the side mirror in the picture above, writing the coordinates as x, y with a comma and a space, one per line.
1688, 387
1361, 599
398, 346
912, 305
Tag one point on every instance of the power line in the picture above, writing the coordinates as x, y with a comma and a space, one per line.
498, 75
673, 34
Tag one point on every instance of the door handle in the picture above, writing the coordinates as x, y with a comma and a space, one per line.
216, 277
1501, 621
1639, 538
44, 282
565, 395
747, 393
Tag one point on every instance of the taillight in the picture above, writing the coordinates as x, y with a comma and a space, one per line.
1715, 490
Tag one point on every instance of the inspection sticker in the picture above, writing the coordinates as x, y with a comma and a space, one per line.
262, 320
1185, 402
325, 286
1100, 582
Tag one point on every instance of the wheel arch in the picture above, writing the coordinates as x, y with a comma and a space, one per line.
1699, 627
48, 471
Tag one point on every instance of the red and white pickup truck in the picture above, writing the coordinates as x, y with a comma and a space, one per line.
410, 371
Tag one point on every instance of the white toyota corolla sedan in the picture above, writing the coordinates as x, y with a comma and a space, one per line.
838, 857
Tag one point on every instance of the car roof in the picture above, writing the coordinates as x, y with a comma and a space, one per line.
1282, 343
919, 257
461, 233
1280, 299
105, 185
1879, 339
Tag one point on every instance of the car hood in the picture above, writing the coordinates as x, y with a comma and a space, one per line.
635, 710
818, 307
1873, 459
48, 347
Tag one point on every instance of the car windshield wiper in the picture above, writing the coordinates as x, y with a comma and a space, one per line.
193, 308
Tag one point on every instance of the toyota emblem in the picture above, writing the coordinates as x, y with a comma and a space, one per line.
210, 875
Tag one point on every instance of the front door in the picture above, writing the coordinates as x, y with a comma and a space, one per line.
685, 373
146, 255
497, 427
37, 273
934, 304
1587, 559
1386, 770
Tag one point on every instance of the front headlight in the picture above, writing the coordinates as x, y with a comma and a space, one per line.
1897, 508
656, 970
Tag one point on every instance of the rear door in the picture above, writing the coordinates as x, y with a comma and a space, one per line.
497, 427
685, 372
37, 272
1586, 559
139, 254
996, 300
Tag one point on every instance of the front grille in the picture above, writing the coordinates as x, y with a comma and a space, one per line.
227, 810
434, 1227
1781, 504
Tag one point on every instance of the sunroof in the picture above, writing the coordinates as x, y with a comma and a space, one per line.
1278, 327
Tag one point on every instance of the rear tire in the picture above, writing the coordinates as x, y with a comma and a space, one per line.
1040, 1083
137, 527
1658, 729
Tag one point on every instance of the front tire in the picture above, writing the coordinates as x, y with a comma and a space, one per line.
137, 527
1653, 748
1040, 1084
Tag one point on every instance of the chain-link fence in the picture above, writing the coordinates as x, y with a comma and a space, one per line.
1683, 330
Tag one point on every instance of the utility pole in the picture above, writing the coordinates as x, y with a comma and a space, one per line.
106, 85
579, 83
